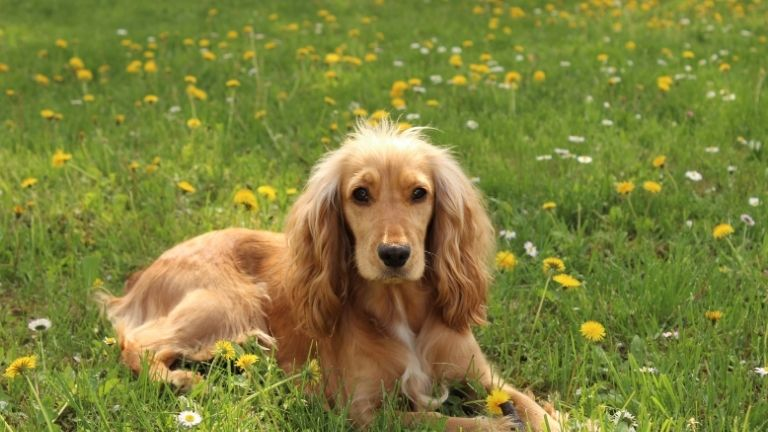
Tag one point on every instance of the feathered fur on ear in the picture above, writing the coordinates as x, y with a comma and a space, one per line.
319, 250
461, 243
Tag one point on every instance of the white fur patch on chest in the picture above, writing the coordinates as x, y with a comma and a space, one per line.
416, 383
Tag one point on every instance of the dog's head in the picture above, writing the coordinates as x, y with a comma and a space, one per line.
391, 207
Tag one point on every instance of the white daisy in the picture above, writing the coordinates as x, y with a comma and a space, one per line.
649, 370
747, 219
40, 324
606, 122
762, 371
693, 175
471, 124
507, 234
530, 249
671, 334
584, 159
576, 139
436, 79
712, 149
544, 157
754, 201
189, 419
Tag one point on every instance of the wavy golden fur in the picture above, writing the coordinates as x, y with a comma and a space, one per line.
381, 272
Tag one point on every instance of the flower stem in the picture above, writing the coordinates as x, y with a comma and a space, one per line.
32, 388
737, 255
541, 303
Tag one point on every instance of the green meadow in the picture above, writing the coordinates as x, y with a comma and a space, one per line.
626, 139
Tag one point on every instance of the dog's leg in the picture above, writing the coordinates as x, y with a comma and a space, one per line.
458, 357
459, 424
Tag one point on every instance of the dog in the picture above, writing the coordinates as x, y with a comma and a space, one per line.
381, 273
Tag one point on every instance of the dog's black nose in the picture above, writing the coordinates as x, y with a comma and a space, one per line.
394, 255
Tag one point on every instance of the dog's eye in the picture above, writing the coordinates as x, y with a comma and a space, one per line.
361, 195
418, 194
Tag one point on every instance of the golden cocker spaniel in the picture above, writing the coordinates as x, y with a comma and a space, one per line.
381, 272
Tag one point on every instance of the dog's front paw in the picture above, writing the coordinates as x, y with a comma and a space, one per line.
183, 380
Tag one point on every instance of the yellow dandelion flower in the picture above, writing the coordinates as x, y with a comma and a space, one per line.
249, 55
233, 83
592, 331
76, 63
209, 55
455, 60
194, 123
724, 67
61, 43
109, 341
553, 264
260, 114
332, 58
664, 83
186, 186
513, 77
134, 67
494, 401
119, 119
398, 103
84, 75
567, 281
398, 89
196, 92
232, 34
314, 374
224, 349
20, 365
652, 187
433, 103
625, 187
659, 161
549, 205
88, 98
245, 361
602, 57
713, 315
370, 57
190, 79
4, 68
246, 198
329, 100
379, 115
722, 230
459, 80
47, 114
688, 54
134, 166
60, 158
539, 76
267, 192
42, 79
150, 66
506, 260
516, 12
28, 182
150, 99
630, 45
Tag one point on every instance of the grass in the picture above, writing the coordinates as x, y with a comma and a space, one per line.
648, 263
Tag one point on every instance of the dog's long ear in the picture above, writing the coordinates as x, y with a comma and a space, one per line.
461, 243
319, 251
